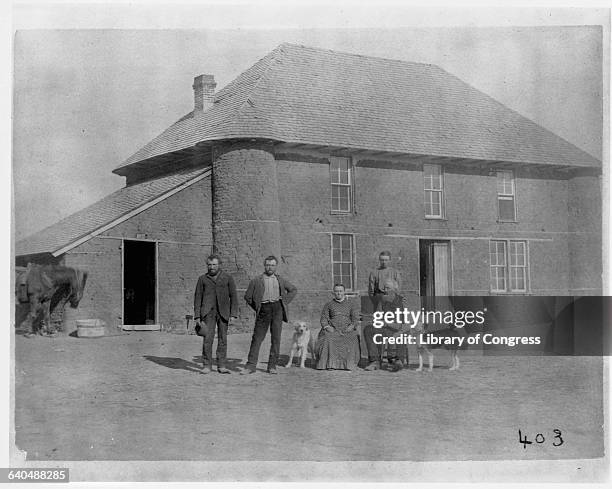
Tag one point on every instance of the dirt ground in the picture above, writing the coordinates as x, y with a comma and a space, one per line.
142, 396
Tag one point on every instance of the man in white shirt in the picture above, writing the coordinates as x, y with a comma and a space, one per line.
379, 277
268, 295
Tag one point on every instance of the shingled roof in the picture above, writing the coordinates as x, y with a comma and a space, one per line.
305, 95
108, 212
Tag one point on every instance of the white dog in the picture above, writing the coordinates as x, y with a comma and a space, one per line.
427, 349
301, 344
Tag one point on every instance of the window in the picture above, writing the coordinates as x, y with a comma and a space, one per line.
342, 260
508, 261
497, 257
506, 210
433, 184
341, 184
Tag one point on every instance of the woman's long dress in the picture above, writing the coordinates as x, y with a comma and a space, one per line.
338, 348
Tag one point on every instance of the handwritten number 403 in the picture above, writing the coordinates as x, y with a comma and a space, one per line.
539, 438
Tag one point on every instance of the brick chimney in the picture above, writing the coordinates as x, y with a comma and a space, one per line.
203, 92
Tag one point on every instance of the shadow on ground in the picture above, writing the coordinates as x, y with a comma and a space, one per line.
175, 363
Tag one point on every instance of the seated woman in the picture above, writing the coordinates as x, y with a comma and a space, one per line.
337, 345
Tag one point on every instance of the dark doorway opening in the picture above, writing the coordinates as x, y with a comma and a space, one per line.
139, 282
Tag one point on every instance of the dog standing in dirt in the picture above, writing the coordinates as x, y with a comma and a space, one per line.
425, 349
302, 343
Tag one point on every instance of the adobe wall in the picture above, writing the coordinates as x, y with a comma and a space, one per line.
585, 235
389, 214
182, 226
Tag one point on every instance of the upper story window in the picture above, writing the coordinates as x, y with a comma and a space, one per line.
341, 184
506, 209
433, 184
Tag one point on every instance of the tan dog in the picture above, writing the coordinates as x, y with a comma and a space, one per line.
302, 343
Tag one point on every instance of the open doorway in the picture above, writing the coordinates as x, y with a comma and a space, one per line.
435, 272
139, 282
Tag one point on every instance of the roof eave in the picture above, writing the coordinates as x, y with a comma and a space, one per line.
125, 169
589, 162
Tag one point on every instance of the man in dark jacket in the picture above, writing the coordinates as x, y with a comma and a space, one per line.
268, 295
215, 302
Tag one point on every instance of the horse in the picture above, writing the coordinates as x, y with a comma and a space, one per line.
44, 287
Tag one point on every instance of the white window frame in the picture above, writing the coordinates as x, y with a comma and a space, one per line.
429, 190
338, 185
495, 267
508, 267
350, 286
505, 193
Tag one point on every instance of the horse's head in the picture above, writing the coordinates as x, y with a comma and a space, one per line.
21, 283
21, 287
77, 287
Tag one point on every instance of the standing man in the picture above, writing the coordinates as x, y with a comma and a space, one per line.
379, 277
215, 302
268, 295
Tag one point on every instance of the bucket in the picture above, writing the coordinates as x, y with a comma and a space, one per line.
90, 328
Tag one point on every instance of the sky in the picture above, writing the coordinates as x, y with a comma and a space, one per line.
86, 99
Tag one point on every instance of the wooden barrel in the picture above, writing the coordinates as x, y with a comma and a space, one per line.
90, 328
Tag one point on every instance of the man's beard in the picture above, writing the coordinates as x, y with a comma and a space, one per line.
388, 297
